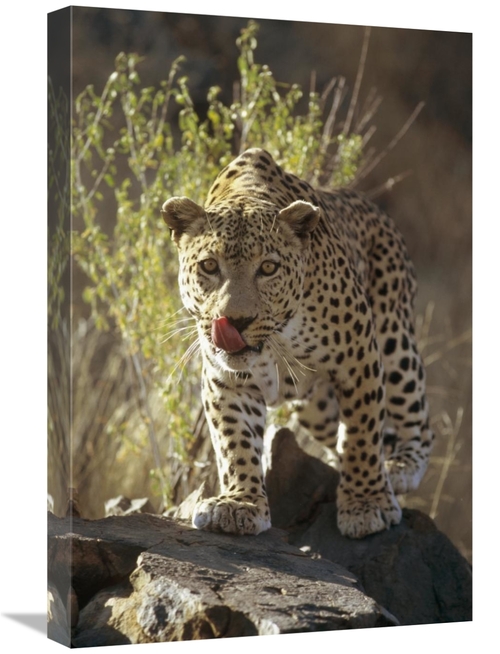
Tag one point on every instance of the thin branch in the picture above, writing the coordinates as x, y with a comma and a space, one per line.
388, 185
330, 121
369, 110
357, 85
97, 119
327, 90
312, 83
170, 82
153, 440
97, 182
369, 133
392, 144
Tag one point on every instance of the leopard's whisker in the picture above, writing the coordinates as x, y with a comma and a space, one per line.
276, 347
184, 360
282, 351
301, 365
167, 322
175, 313
179, 330
209, 224
296, 360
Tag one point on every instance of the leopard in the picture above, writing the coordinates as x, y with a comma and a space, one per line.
304, 296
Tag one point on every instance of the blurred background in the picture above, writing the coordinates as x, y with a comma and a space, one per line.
432, 205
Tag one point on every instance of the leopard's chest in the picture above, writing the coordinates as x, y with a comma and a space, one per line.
286, 371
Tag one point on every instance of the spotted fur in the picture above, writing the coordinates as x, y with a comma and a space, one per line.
320, 287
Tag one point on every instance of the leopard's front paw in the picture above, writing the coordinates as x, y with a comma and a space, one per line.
357, 518
231, 516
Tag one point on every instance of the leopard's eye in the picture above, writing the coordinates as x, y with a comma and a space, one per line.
268, 268
209, 266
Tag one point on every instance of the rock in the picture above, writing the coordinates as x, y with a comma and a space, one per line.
122, 505
83, 563
296, 482
413, 570
58, 628
61, 617
186, 508
108, 619
144, 578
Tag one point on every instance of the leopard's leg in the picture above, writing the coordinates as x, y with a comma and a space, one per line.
319, 414
353, 425
236, 417
408, 411
365, 499
393, 295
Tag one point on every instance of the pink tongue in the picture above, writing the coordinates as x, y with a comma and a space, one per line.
225, 336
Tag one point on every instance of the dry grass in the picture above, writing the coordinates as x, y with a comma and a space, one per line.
446, 493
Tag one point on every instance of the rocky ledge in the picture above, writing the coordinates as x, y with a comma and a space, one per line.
141, 578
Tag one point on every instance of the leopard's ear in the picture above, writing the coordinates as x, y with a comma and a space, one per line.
301, 216
180, 213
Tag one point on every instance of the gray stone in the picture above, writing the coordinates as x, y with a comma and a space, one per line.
188, 584
58, 628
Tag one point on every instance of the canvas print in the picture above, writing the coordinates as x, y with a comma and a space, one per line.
259, 314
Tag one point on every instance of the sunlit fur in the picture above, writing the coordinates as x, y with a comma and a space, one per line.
321, 290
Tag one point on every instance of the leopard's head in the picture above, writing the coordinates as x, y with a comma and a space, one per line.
242, 270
